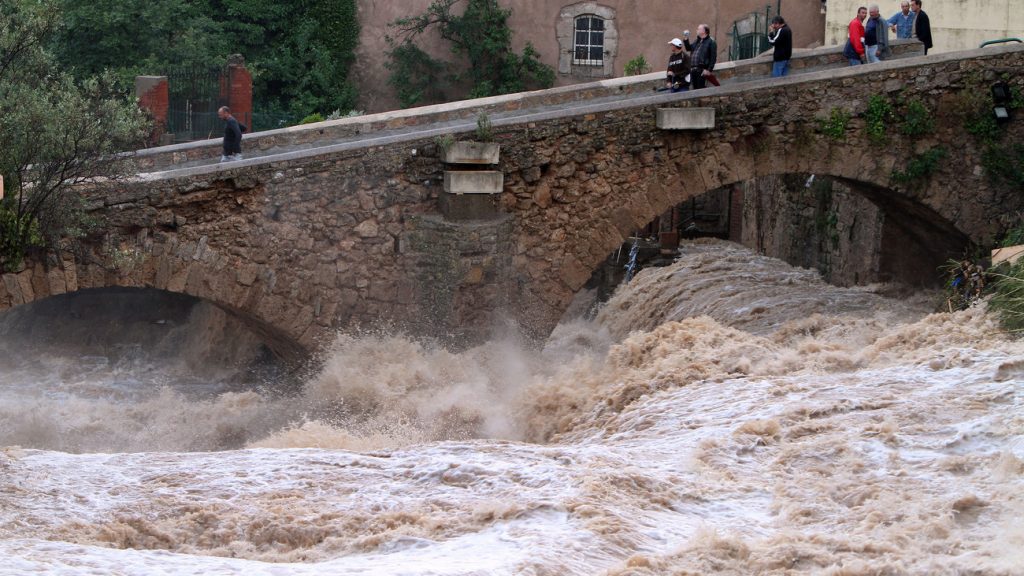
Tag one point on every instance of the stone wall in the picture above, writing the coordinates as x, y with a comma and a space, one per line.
819, 224
306, 244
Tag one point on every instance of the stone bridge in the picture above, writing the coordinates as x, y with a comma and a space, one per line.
337, 225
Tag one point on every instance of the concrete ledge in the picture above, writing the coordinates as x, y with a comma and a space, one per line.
471, 153
686, 118
474, 182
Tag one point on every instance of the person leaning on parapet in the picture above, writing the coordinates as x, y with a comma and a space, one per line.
922, 27
876, 36
232, 135
902, 22
854, 49
781, 37
678, 67
705, 54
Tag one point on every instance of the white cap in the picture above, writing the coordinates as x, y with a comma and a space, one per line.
676, 42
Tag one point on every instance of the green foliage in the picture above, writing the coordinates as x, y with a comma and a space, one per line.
18, 233
415, 76
480, 37
1005, 163
444, 142
484, 130
299, 52
1014, 236
916, 119
879, 116
835, 126
920, 167
58, 134
1008, 296
314, 117
974, 106
637, 66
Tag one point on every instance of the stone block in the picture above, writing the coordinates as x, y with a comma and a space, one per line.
473, 182
686, 118
471, 153
468, 206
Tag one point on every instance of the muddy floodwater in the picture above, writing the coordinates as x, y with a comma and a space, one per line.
727, 414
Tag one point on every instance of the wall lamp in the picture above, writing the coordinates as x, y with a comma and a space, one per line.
1001, 98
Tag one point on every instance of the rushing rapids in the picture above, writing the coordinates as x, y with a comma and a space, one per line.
728, 414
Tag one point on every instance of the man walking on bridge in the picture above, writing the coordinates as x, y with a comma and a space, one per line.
232, 135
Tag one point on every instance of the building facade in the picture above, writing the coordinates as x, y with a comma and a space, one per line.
586, 41
956, 24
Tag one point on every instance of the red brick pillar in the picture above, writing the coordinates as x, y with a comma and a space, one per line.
236, 90
154, 97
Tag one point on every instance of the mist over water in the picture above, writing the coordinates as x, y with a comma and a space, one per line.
728, 414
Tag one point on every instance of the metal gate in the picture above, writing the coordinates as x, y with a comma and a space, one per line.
195, 94
750, 34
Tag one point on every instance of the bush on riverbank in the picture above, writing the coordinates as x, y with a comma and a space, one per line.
1008, 286
1008, 296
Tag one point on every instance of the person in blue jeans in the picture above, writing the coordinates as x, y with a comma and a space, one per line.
854, 50
876, 36
781, 37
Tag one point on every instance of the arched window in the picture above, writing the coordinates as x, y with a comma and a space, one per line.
588, 45
587, 40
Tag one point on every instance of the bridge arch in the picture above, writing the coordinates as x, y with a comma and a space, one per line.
306, 241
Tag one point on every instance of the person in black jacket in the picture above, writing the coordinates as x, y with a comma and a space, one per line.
678, 67
705, 54
781, 37
232, 136
922, 27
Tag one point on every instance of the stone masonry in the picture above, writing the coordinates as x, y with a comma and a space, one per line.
304, 244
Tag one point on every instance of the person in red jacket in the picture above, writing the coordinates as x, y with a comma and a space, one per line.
855, 45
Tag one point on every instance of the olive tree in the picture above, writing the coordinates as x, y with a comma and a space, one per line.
57, 134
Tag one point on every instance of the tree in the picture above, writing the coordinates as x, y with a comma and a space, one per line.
58, 134
299, 52
481, 36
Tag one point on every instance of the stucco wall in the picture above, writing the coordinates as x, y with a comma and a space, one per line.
641, 28
956, 24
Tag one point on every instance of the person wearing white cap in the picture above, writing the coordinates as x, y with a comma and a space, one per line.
678, 66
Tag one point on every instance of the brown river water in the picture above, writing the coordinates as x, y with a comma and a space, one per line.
727, 414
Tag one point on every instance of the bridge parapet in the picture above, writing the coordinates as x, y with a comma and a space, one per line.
323, 133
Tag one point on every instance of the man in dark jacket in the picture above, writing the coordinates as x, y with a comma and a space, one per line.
781, 37
232, 136
705, 54
922, 27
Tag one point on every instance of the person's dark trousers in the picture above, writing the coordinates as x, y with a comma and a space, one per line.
697, 79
